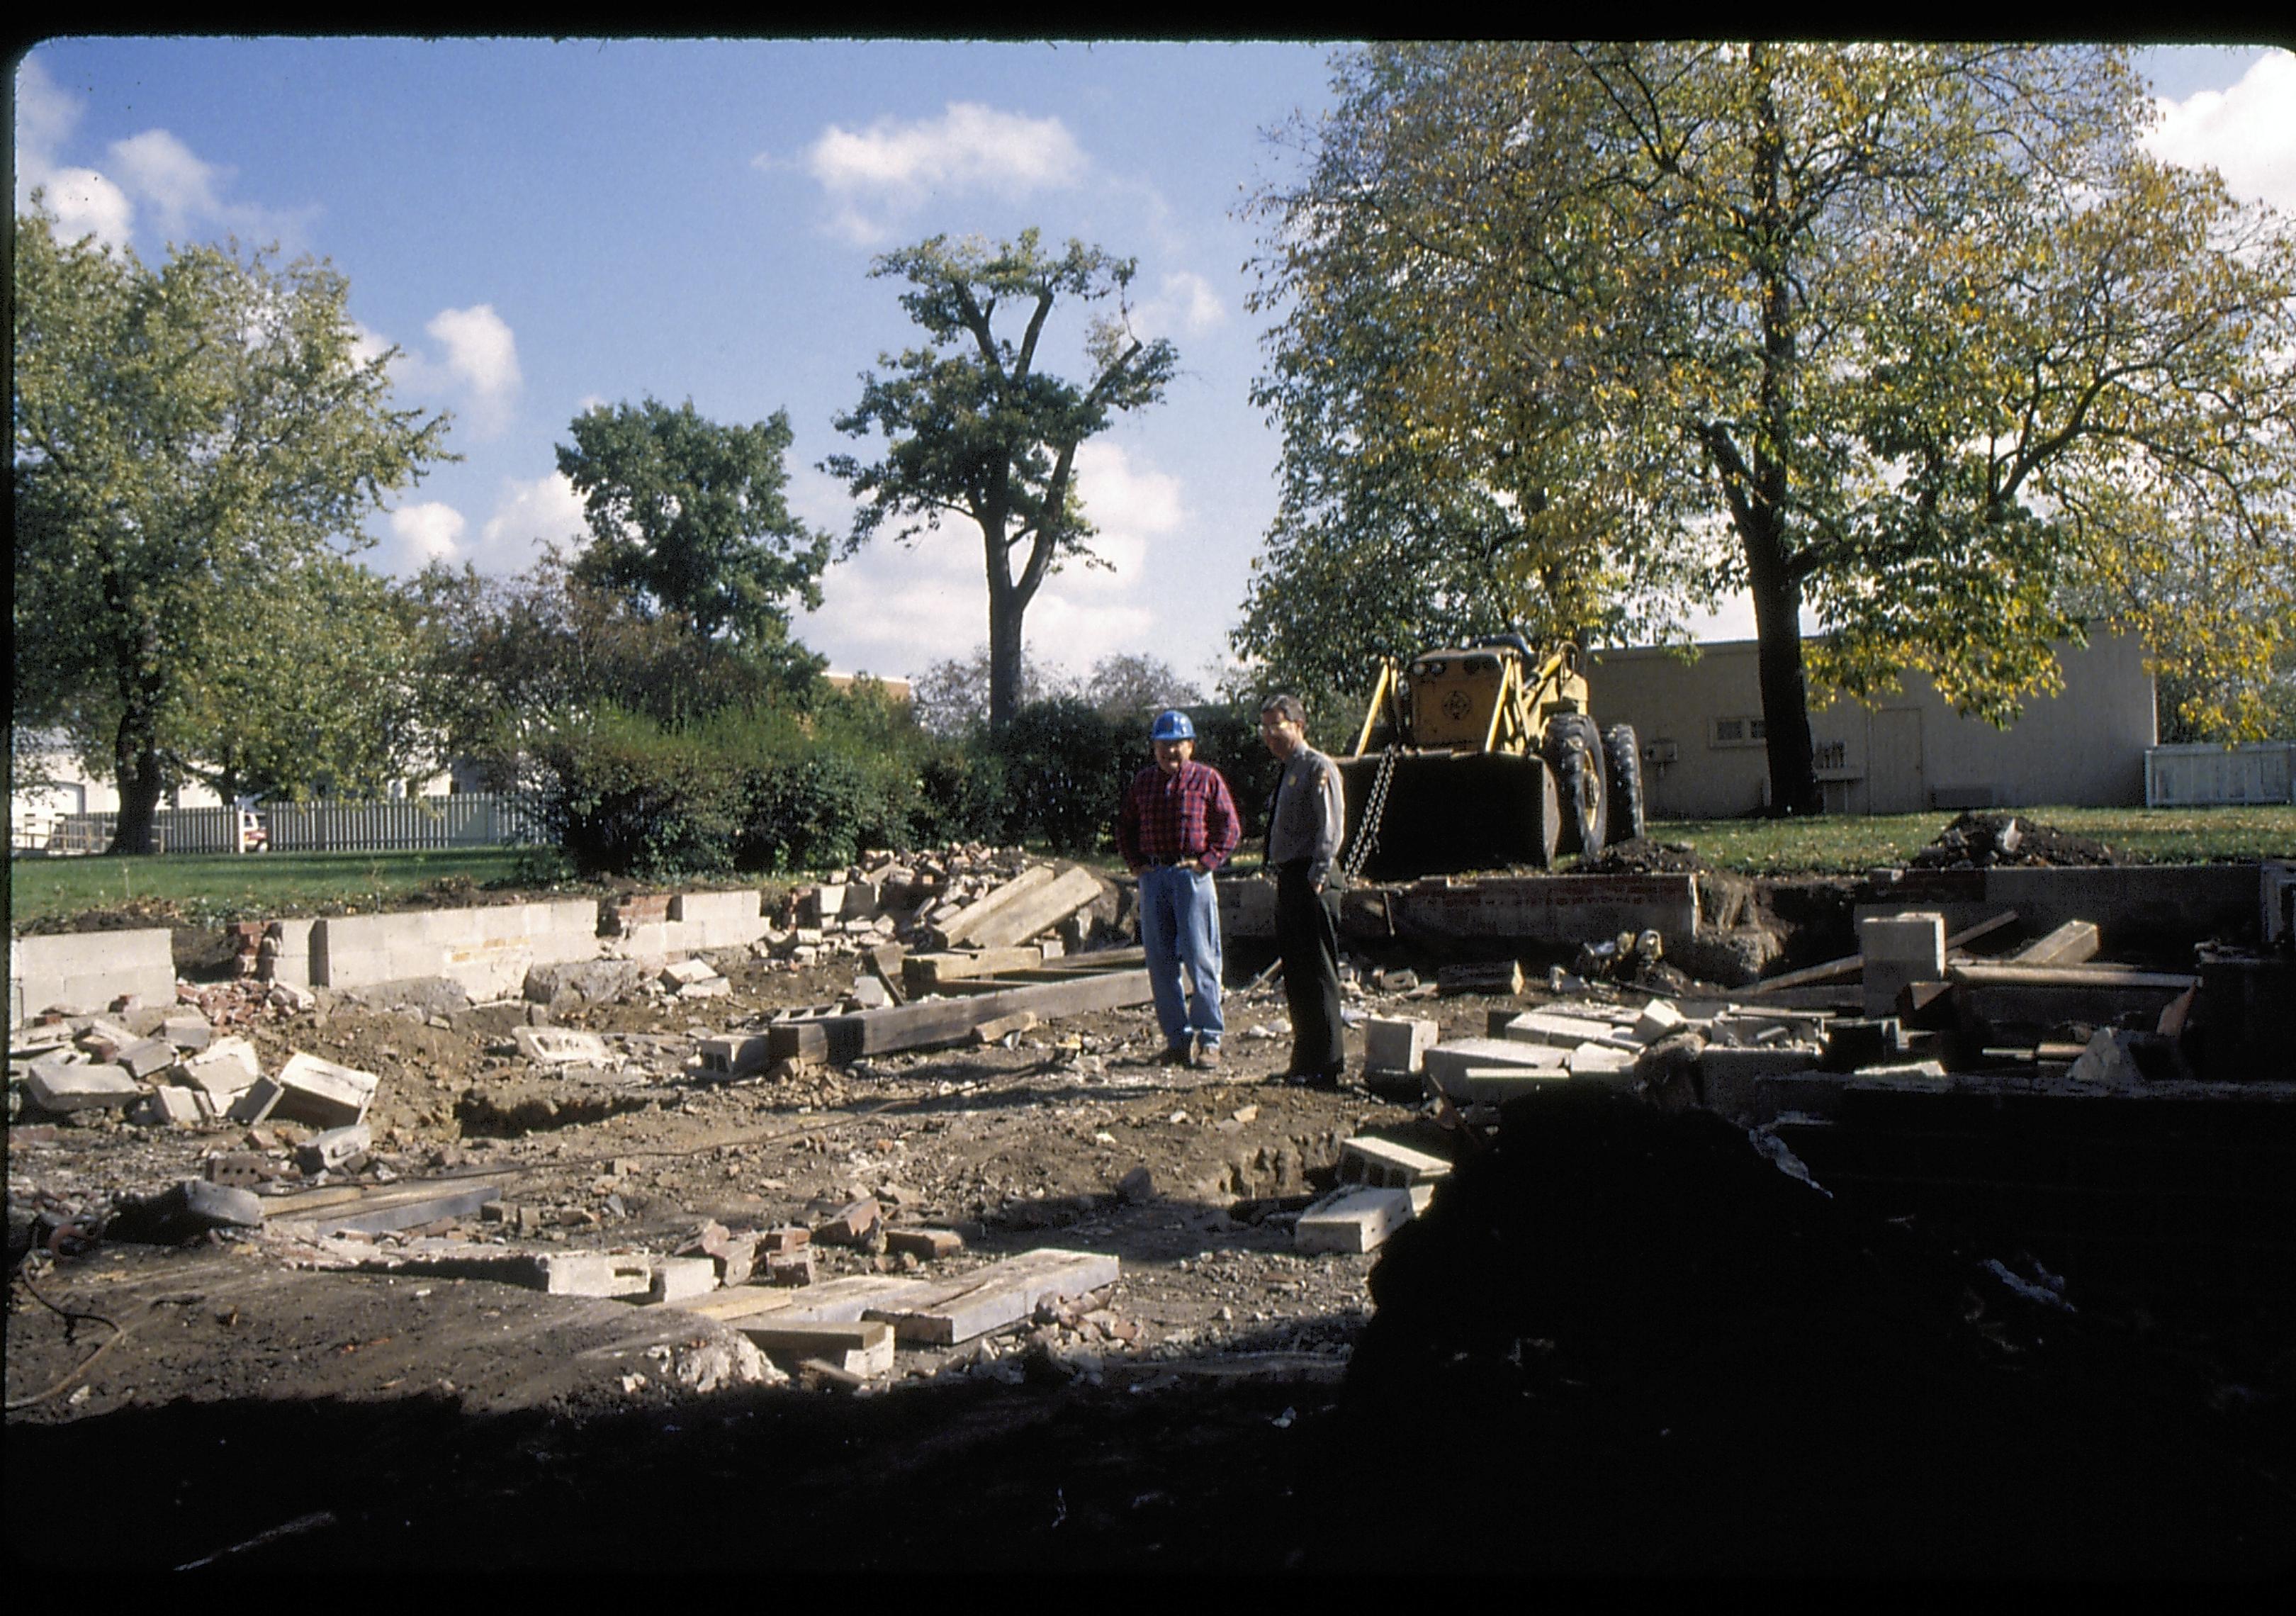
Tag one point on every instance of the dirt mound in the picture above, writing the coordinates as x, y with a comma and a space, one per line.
1976, 841
1647, 1303
1643, 857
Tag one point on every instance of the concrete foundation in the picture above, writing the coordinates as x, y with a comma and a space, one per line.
2140, 911
84, 971
489, 951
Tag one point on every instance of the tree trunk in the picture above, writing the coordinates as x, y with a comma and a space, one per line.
140, 782
1785, 691
1005, 611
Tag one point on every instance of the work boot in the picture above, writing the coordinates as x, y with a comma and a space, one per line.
1207, 1057
1175, 1055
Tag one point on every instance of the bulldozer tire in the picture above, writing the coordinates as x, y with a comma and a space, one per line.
1622, 749
1547, 835
1574, 752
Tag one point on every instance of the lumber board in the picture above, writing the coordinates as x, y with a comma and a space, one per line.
991, 1298
924, 1022
2074, 943
930, 972
961, 926
1991, 973
1854, 964
1039, 910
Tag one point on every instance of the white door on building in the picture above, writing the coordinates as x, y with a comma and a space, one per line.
1894, 782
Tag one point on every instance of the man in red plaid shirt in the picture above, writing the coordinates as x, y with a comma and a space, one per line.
1176, 825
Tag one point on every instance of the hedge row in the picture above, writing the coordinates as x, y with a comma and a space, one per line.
770, 789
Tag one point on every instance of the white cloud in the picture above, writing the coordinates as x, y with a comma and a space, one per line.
1131, 505
876, 175
482, 357
1185, 303
528, 515
163, 172
84, 201
427, 532
2247, 133
367, 345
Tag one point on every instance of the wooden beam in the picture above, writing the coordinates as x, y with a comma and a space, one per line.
1038, 911
1991, 973
1000, 1295
2073, 943
1854, 964
923, 973
960, 926
925, 1022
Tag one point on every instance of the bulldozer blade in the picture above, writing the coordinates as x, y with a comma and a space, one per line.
1447, 813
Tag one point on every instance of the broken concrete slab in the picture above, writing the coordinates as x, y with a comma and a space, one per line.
224, 1071
324, 1152
560, 1047
861, 1347
60, 1086
1353, 1220
677, 1279
167, 1107
1603, 1061
322, 1093
1563, 1031
1000, 1295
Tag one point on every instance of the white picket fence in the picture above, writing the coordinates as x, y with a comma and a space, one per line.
467, 819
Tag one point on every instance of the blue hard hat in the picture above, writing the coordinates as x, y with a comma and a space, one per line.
1172, 725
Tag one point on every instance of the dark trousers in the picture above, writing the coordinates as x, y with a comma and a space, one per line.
1308, 934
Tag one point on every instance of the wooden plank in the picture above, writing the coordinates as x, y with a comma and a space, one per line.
923, 973
1038, 911
961, 926
379, 1217
1854, 964
2074, 943
1002, 1293
924, 1022
1990, 973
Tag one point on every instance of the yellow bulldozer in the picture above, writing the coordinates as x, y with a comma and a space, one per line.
1483, 756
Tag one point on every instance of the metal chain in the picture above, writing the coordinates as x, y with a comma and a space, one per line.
1374, 810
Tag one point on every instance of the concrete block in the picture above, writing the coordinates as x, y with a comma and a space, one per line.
1353, 1220
1592, 1060
1898, 951
1447, 1064
324, 1094
145, 1056
1384, 1163
1398, 1043
718, 920
735, 1055
1659, 1019
1730, 1081
255, 1102
926, 1243
55, 1085
223, 1070
1496, 1085
324, 1152
861, 1347
190, 1033
1561, 1029
87, 971
561, 1046
166, 1107
677, 1279
597, 1274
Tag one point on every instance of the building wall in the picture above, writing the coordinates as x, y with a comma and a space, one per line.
1703, 756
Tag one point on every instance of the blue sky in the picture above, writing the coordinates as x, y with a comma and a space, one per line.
542, 227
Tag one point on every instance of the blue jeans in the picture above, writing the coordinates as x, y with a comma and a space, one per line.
1179, 930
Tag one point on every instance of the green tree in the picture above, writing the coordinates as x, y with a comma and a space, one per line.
951, 695
1919, 327
187, 440
977, 428
689, 521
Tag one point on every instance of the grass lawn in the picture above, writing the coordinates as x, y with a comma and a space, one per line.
209, 888
1848, 845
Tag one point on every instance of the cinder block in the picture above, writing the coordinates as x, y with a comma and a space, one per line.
223, 1070
560, 1047
87, 971
1398, 1043
597, 1274
1495, 1085
1659, 1019
677, 1279
57, 1086
324, 1152
190, 1033
1563, 1030
145, 1056
255, 1102
166, 1107
736, 1054
1383, 1162
324, 1094
1353, 1220
1447, 1064
1899, 950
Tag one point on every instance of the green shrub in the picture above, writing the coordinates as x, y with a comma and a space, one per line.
622, 796
1065, 768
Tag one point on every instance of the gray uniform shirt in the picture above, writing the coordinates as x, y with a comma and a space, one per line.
1309, 817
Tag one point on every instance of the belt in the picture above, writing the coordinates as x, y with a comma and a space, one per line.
1173, 864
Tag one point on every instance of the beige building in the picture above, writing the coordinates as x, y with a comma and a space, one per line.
1703, 748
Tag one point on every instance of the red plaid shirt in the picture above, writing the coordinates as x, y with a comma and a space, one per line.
1167, 818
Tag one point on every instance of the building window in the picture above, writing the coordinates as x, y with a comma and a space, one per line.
1831, 754
1738, 732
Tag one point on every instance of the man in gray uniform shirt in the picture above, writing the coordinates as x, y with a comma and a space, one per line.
1305, 824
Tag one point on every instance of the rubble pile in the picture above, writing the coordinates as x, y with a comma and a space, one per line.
1978, 841
1642, 855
